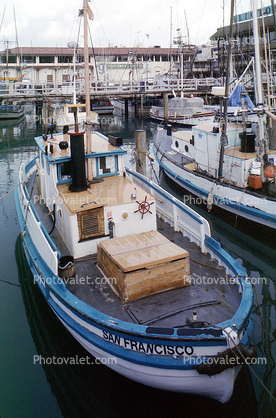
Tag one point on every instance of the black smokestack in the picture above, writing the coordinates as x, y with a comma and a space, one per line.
79, 182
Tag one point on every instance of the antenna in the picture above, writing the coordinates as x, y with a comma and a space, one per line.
2, 18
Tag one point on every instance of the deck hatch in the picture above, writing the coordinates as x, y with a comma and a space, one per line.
91, 223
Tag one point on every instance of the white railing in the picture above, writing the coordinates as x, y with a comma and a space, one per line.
180, 216
122, 87
45, 248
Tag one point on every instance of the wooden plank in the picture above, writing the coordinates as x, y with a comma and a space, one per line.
133, 242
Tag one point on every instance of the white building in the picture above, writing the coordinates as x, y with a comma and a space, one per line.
56, 65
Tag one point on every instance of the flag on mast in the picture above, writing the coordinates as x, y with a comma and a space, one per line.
90, 13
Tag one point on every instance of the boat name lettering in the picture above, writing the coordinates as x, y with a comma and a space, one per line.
123, 66
148, 348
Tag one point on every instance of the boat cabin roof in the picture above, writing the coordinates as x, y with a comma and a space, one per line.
206, 127
209, 127
110, 191
100, 146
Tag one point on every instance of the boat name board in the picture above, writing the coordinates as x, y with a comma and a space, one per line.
123, 66
149, 348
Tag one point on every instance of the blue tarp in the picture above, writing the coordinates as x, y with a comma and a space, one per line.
235, 99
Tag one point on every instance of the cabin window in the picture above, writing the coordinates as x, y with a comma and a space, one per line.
107, 165
91, 223
64, 172
176, 144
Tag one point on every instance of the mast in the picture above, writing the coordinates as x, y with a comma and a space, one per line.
87, 12
259, 87
223, 138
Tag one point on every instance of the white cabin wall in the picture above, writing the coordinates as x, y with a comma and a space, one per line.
201, 150
212, 153
133, 224
47, 180
67, 226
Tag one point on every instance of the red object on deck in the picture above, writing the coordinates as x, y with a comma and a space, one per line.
270, 171
255, 181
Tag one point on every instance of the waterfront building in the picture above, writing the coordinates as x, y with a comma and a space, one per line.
56, 65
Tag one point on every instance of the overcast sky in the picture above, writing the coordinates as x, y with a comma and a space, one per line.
121, 23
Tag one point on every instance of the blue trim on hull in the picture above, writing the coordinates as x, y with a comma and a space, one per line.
186, 184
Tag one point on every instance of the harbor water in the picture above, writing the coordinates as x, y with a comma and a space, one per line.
40, 372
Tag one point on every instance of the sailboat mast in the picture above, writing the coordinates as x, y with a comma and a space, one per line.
87, 10
259, 87
223, 138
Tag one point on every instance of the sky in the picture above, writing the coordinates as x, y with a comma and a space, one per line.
119, 23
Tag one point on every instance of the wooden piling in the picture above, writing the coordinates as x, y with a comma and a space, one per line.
166, 108
126, 108
141, 149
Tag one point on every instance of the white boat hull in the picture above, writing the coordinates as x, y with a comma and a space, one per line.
219, 387
233, 200
162, 358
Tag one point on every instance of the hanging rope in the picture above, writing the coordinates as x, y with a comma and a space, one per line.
7, 193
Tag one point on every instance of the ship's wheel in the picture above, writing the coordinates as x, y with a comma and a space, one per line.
143, 207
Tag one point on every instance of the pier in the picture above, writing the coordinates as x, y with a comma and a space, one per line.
98, 89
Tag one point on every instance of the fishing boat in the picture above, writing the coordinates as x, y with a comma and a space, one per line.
129, 270
63, 115
121, 277
230, 166
11, 112
185, 111
102, 107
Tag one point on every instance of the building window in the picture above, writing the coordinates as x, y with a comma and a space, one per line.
28, 59
65, 77
12, 59
46, 59
49, 78
65, 59
122, 58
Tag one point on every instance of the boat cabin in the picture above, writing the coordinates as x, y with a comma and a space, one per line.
107, 207
110, 216
201, 146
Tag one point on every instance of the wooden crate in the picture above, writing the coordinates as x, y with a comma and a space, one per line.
143, 264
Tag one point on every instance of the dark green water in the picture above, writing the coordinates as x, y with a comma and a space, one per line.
29, 328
